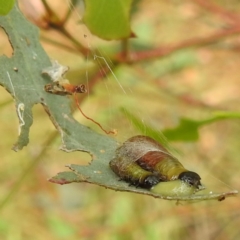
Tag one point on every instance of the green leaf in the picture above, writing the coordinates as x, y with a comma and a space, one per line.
187, 130
6, 6
108, 19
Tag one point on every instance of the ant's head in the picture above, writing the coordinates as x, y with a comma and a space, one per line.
80, 88
191, 178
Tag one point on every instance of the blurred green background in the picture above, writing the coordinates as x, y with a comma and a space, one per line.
193, 82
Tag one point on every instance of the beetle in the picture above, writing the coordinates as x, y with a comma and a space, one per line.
143, 162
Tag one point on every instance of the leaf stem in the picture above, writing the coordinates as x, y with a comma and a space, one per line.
125, 49
59, 44
59, 25
189, 43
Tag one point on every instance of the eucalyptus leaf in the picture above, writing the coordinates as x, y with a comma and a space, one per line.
108, 19
187, 130
21, 77
6, 6
96, 174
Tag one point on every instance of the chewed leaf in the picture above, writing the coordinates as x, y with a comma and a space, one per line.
178, 184
102, 175
65, 178
108, 19
21, 75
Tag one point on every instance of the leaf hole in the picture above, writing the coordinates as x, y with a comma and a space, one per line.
5, 45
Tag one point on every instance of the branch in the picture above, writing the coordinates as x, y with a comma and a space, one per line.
57, 24
167, 50
222, 12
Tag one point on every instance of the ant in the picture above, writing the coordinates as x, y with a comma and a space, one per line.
64, 88
61, 86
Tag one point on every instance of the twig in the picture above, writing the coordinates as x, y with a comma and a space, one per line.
125, 49
79, 46
195, 42
212, 7
47, 7
54, 22
59, 44
68, 14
